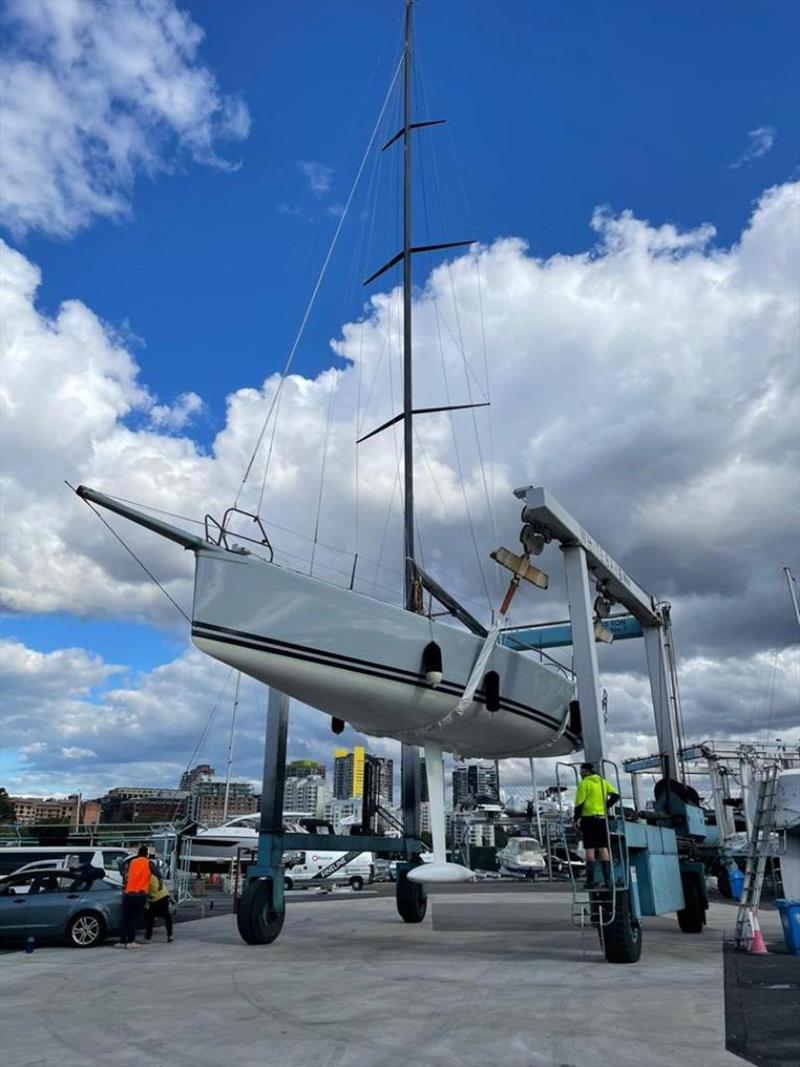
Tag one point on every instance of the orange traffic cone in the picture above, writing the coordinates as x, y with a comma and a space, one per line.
757, 946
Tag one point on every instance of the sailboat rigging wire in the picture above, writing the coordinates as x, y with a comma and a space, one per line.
487, 391
456, 450
389, 511
159, 511
331, 402
205, 731
130, 551
312, 301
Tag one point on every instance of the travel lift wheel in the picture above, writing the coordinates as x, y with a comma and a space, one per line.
622, 937
724, 883
692, 918
412, 899
258, 919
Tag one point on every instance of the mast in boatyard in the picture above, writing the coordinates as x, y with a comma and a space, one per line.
410, 767
409, 570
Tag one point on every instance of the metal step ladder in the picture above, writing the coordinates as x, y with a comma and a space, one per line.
597, 907
759, 849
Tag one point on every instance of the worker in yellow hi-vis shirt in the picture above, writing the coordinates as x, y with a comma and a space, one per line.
593, 799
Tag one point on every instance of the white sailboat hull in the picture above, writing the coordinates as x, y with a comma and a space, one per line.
360, 660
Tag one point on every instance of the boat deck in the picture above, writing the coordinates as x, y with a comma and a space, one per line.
495, 974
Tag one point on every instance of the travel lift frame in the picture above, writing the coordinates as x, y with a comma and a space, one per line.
655, 870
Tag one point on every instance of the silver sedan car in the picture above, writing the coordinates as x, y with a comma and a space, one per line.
59, 905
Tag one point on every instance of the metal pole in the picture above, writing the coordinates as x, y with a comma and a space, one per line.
585, 652
537, 812
410, 765
663, 707
274, 778
230, 747
408, 397
791, 581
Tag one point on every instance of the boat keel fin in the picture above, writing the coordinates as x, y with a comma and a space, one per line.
439, 870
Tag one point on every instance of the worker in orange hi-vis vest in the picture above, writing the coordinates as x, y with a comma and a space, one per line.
134, 896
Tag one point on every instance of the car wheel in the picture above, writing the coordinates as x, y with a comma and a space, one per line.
86, 930
288, 883
357, 883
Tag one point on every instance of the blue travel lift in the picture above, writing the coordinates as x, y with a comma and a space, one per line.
656, 861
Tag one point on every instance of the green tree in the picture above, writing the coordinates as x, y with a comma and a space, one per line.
7, 813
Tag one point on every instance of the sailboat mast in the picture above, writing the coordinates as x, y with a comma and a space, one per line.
409, 569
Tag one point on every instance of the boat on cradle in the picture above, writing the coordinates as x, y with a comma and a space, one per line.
387, 671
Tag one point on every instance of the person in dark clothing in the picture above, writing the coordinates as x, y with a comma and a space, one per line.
158, 902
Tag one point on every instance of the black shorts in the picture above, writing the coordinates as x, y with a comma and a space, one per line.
593, 832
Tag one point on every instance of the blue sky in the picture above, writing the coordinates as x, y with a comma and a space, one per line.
553, 109
682, 113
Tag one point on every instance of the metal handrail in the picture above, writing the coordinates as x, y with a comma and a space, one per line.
220, 538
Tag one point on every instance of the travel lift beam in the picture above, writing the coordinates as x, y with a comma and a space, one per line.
583, 556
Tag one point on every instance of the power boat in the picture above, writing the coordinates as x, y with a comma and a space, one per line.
522, 857
218, 845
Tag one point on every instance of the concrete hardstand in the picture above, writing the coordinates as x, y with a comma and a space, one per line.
489, 977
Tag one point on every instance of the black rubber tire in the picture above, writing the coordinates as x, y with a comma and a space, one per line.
724, 883
87, 929
357, 883
258, 921
412, 899
691, 919
288, 883
622, 938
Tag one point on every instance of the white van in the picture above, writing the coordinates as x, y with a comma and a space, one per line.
311, 867
14, 858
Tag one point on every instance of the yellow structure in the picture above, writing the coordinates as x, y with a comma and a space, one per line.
358, 771
348, 772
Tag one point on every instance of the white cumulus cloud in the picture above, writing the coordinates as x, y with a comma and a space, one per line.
93, 93
651, 383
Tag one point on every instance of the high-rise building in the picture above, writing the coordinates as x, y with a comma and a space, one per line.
188, 778
348, 773
478, 833
342, 812
424, 796
475, 780
305, 768
305, 796
382, 771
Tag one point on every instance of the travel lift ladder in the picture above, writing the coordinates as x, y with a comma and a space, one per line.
759, 850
